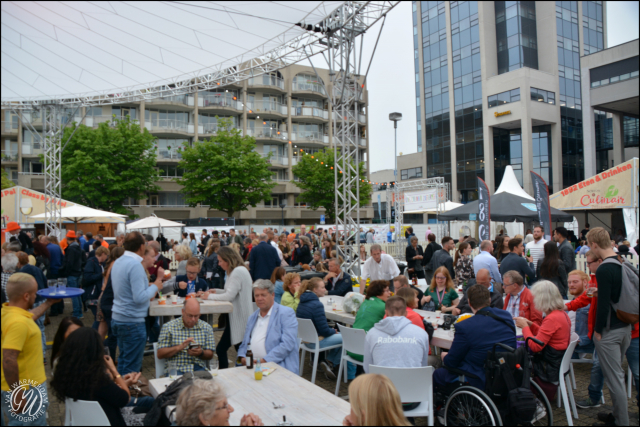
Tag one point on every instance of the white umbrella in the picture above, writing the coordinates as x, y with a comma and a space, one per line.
79, 213
153, 222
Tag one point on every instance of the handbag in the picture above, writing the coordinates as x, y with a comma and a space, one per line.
140, 389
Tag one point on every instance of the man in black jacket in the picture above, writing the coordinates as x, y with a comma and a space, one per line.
515, 261
337, 281
263, 259
72, 266
483, 278
443, 257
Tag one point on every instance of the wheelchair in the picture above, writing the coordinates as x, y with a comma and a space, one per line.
510, 396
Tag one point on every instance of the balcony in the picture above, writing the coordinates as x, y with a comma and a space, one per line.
267, 80
166, 154
94, 121
309, 88
9, 156
310, 138
212, 102
10, 126
266, 108
311, 114
362, 118
169, 126
174, 101
276, 160
33, 117
32, 149
33, 180
268, 134
348, 93
363, 142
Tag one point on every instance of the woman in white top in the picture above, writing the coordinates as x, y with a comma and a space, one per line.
237, 290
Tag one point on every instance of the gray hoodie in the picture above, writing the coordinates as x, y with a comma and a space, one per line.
395, 342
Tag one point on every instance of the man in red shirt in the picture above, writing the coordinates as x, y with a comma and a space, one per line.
519, 301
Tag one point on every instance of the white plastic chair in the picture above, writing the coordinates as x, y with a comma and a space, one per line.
566, 392
353, 341
573, 376
413, 385
161, 364
84, 413
308, 334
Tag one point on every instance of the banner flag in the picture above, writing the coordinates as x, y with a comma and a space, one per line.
484, 210
541, 196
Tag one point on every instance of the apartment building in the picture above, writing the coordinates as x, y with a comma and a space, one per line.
502, 83
287, 112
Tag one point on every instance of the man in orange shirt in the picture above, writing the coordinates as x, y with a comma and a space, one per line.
64, 244
291, 237
100, 239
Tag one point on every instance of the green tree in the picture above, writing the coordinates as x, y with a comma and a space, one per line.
6, 182
225, 172
316, 174
104, 166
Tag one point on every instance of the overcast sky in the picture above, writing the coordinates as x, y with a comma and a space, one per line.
392, 82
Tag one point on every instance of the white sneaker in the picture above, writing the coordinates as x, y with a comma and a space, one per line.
541, 412
328, 371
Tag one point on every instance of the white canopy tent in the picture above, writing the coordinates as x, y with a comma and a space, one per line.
84, 214
154, 225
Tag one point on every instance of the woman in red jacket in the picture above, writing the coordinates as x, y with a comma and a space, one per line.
554, 332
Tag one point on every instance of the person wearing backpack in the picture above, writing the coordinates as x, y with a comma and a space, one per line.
616, 311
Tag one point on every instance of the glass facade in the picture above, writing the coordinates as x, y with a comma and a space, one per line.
592, 32
467, 96
541, 144
502, 98
507, 150
570, 95
604, 140
516, 35
416, 64
436, 89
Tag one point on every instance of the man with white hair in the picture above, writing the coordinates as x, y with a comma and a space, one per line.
485, 260
272, 330
379, 267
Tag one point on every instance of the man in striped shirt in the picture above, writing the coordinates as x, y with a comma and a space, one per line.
537, 246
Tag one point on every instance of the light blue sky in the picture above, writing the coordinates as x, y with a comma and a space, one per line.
392, 80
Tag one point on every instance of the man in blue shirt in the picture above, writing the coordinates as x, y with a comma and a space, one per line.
88, 244
485, 260
81, 239
390, 235
132, 292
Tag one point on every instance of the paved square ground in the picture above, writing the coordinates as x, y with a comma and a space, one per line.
586, 417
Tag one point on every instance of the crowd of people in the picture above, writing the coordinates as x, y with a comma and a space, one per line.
507, 284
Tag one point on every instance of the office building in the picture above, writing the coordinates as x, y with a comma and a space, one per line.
504, 83
287, 111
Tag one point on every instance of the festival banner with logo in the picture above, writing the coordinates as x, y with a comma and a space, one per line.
541, 196
611, 189
484, 210
423, 200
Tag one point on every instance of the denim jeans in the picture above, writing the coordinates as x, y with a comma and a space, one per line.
632, 360
94, 310
141, 402
112, 340
74, 282
132, 338
38, 409
334, 356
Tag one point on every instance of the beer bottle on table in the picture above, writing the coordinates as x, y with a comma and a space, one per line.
249, 359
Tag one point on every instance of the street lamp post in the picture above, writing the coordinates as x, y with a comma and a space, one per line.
395, 118
283, 204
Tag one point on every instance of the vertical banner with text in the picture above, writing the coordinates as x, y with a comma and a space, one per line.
541, 195
484, 211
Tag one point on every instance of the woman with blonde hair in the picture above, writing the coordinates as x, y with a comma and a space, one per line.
442, 291
182, 254
374, 402
290, 286
237, 290
204, 403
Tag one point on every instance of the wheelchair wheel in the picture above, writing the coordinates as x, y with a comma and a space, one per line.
544, 413
469, 406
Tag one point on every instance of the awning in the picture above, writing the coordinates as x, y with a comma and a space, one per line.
444, 207
84, 214
152, 222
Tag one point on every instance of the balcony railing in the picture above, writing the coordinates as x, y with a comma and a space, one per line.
165, 154
268, 133
9, 156
311, 87
221, 100
10, 125
310, 137
181, 99
277, 159
348, 93
267, 80
94, 121
263, 106
31, 149
167, 125
31, 173
310, 111
362, 118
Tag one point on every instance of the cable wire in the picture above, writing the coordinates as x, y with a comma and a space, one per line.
237, 13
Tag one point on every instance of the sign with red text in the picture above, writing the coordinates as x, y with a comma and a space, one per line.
612, 189
14, 197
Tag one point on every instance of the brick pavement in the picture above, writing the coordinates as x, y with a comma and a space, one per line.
582, 371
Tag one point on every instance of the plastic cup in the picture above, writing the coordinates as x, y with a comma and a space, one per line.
173, 372
213, 366
62, 286
53, 286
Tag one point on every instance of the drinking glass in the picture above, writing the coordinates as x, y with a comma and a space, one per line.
173, 371
62, 286
213, 366
52, 285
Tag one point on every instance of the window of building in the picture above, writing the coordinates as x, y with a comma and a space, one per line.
411, 173
504, 98
275, 200
122, 112
170, 199
170, 171
32, 166
614, 72
507, 150
516, 35
541, 143
541, 95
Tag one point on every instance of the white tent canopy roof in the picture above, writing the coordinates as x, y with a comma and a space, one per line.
444, 207
153, 222
509, 184
56, 50
79, 213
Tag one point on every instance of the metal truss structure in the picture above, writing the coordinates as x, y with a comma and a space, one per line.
334, 38
436, 183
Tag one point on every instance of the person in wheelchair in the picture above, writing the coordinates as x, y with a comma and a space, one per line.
473, 339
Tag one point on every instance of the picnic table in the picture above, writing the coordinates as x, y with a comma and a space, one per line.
304, 403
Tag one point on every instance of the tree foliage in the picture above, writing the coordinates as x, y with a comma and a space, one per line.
6, 182
225, 172
316, 173
104, 166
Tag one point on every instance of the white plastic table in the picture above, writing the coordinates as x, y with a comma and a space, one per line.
206, 307
338, 315
304, 403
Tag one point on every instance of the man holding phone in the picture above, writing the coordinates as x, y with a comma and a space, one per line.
187, 341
